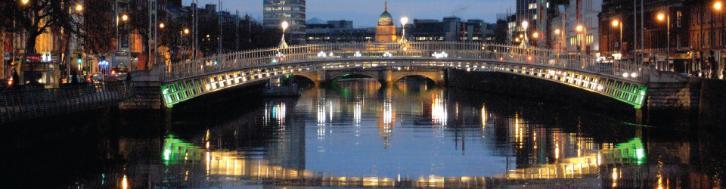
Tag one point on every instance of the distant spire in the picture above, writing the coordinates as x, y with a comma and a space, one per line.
386, 6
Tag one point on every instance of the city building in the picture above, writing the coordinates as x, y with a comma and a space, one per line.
538, 15
641, 30
386, 30
574, 26
450, 29
581, 19
338, 31
426, 30
292, 11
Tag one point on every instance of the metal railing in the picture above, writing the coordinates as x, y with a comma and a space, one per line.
445, 51
16, 105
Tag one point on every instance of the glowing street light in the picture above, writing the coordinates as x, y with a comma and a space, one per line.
24, 2
661, 16
124, 17
404, 20
284, 26
186, 31
162, 25
579, 28
79, 7
535, 35
557, 31
615, 23
717, 6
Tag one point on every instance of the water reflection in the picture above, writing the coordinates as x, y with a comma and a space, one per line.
419, 142
361, 134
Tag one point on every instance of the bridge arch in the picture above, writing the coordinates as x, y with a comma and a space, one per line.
437, 77
313, 77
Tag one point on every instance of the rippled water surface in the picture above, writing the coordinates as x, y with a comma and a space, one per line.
360, 134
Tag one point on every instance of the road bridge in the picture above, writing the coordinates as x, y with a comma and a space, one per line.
388, 62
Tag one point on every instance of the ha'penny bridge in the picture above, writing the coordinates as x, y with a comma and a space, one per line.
626, 82
388, 62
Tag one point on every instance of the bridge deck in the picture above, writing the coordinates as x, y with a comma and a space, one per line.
622, 81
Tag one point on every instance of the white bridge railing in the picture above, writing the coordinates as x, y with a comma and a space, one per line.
445, 51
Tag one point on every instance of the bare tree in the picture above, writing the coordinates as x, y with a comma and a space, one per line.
37, 16
98, 27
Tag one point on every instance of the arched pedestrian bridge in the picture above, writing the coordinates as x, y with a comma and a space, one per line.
389, 62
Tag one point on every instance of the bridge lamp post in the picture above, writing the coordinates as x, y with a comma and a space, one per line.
184, 32
284, 26
560, 41
161, 40
124, 20
582, 33
525, 25
619, 25
717, 7
665, 17
404, 21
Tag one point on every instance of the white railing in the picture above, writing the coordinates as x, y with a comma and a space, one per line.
445, 51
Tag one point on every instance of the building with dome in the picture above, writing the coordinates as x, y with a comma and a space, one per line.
386, 30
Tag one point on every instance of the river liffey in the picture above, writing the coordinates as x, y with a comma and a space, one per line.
357, 133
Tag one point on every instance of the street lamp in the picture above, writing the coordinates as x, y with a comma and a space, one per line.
284, 26
718, 5
619, 25
79, 7
124, 19
24, 2
663, 16
404, 21
560, 37
525, 25
660, 16
186, 31
162, 25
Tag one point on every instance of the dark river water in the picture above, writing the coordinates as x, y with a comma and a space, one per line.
357, 133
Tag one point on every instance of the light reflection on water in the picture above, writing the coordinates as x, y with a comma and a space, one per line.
358, 133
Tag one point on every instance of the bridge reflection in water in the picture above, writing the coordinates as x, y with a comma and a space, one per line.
532, 151
233, 164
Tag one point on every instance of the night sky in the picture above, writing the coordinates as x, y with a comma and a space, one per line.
366, 12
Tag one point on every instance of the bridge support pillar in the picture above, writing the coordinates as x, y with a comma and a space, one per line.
385, 77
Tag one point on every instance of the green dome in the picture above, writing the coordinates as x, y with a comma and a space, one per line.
386, 19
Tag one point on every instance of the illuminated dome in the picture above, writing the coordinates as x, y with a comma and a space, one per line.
386, 19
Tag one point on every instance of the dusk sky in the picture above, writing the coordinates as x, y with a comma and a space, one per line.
366, 12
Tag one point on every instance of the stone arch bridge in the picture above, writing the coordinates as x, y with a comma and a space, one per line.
388, 62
